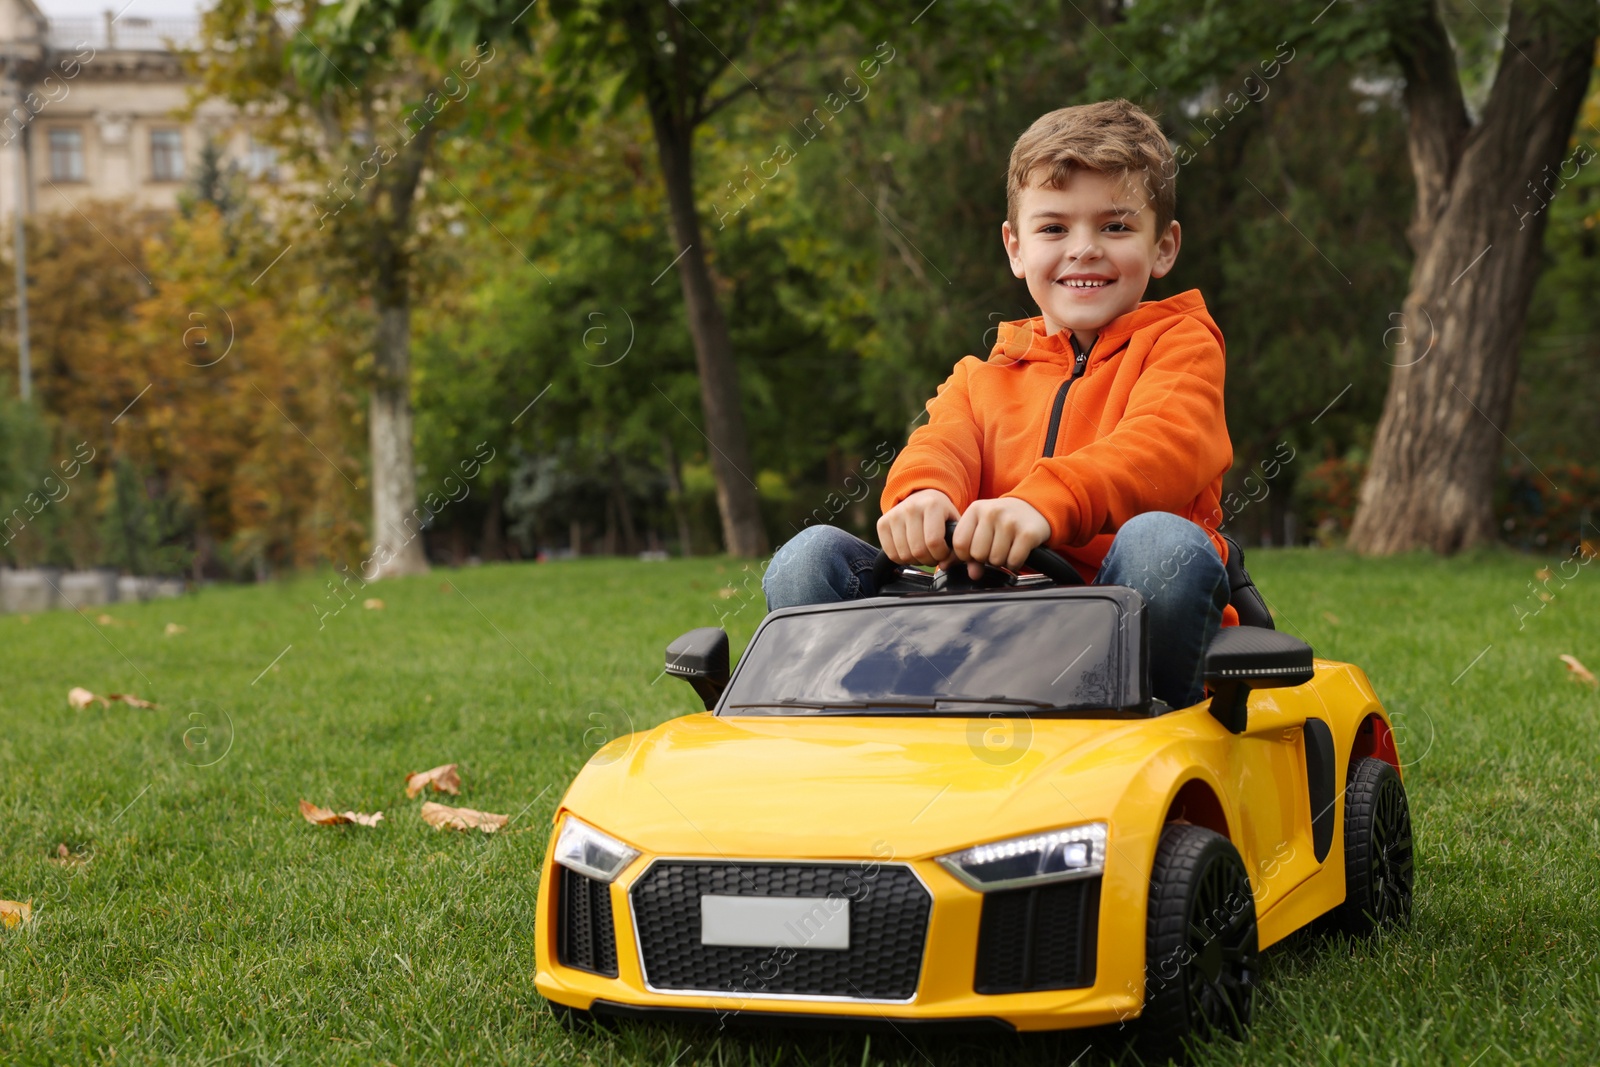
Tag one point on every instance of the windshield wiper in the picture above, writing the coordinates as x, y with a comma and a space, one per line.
908, 703
1007, 702
840, 705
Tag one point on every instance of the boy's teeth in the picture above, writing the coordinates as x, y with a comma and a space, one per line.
1082, 284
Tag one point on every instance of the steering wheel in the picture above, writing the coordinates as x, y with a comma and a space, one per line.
1046, 561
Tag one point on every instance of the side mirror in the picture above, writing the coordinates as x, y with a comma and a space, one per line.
1242, 658
701, 658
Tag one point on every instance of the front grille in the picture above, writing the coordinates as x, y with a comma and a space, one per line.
585, 935
1038, 938
888, 925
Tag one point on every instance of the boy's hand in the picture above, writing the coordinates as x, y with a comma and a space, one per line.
913, 530
999, 532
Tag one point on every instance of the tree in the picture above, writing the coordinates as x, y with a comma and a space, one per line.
187, 380
370, 116
555, 350
251, 426
686, 68
1478, 237
677, 83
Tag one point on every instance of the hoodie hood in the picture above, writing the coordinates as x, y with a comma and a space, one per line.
1026, 340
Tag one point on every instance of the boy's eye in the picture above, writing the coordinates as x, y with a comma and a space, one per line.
1117, 227
1054, 228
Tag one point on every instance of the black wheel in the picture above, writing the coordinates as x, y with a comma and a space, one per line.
1201, 942
1378, 862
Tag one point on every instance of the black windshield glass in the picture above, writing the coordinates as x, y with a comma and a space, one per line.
934, 656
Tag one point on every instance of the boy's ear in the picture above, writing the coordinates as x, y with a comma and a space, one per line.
1167, 251
1013, 249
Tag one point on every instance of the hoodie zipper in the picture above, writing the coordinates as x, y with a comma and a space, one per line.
1079, 362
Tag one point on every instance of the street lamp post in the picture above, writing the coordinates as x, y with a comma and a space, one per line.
20, 243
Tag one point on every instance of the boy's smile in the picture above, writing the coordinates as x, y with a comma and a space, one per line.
1088, 251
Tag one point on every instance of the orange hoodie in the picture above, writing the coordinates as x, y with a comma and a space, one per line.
1141, 428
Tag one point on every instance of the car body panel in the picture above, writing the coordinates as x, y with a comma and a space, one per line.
906, 789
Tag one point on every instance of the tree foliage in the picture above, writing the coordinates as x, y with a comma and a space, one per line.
848, 177
196, 392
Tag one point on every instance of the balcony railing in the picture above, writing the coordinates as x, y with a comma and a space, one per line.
130, 32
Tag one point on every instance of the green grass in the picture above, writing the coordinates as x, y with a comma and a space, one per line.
211, 924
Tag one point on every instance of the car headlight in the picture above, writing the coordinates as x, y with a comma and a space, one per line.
1054, 856
586, 850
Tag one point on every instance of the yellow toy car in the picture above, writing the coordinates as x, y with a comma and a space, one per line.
957, 804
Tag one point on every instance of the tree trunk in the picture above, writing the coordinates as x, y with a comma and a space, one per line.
493, 545
396, 520
396, 525
1478, 238
619, 492
680, 509
742, 530
610, 542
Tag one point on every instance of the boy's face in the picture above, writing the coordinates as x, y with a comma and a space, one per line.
1088, 250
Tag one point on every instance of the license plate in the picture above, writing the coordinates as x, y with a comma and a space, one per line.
775, 922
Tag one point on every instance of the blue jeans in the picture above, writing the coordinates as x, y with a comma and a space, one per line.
1169, 560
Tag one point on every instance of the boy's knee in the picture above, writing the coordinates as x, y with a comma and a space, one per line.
1159, 534
1161, 526
800, 555
801, 546
1159, 545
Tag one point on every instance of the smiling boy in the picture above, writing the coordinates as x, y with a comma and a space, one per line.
1096, 428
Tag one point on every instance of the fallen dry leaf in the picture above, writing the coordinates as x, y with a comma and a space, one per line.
1580, 673
1543, 574
727, 592
372, 603
15, 912
105, 620
1331, 617
1546, 597
442, 818
443, 780
324, 817
65, 857
174, 628
80, 697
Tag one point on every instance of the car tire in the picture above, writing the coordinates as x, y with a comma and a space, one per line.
1201, 944
1379, 866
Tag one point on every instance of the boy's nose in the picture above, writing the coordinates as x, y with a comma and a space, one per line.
1089, 250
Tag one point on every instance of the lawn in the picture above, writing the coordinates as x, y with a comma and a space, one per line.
199, 919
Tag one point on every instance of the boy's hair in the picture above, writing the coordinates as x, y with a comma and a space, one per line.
1113, 137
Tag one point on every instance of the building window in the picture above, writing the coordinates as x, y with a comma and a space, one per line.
166, 155
66, 155
261, 163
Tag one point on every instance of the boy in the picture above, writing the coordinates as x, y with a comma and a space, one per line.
1096, 429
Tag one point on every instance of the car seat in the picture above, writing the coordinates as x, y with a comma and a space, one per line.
1242, 592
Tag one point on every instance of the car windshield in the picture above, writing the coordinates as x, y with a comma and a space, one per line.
936, 656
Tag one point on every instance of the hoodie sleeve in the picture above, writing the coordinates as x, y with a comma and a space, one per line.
1170, 444
946, 452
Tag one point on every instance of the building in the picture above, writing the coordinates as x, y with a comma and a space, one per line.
93, 112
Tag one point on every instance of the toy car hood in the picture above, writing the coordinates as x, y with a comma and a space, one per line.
821, 787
